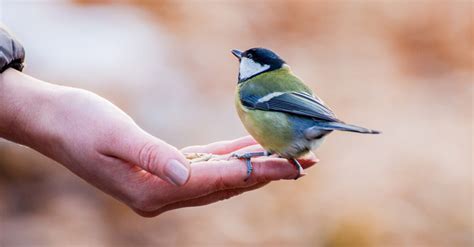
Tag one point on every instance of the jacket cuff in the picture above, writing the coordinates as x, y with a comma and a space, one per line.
12, 53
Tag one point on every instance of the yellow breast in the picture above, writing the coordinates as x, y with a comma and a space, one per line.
270, 129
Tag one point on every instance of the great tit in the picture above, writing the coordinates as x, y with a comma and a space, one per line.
283, 115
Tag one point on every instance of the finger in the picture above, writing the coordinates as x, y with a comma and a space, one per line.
306, 161
204, 200
247, 149
212, 176
151, 154
250, 149
221, 147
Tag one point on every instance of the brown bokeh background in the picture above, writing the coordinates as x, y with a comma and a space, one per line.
405, 68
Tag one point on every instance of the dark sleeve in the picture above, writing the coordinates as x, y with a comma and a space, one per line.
12, 53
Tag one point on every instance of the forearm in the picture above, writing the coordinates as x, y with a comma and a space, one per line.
24, 103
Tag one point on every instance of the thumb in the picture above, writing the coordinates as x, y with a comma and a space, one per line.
163, 160
155, 156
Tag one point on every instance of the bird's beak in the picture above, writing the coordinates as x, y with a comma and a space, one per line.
237, 54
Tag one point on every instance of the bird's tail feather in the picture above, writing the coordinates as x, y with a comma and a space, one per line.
346, 127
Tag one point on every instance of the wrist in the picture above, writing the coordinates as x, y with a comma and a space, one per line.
24, 106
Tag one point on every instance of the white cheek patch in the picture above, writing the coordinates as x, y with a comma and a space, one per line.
249, 68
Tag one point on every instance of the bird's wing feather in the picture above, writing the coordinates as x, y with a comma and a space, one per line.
297, 103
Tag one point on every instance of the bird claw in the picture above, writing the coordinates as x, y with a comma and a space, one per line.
248, 162
299, 168
249, 169
248, 157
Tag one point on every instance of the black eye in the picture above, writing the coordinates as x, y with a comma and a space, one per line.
249, 55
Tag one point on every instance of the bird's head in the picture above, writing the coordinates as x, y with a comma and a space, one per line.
255, 61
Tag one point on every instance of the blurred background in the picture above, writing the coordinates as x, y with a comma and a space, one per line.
402, 67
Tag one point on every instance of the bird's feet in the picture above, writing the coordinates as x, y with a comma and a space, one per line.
247, 157
298, 167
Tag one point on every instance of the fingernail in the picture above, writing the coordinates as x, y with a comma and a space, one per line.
176, 172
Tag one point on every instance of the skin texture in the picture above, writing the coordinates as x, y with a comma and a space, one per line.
100, 143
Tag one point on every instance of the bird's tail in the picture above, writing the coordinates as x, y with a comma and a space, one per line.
346, 127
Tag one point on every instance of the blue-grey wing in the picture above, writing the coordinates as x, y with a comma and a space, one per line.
296, 103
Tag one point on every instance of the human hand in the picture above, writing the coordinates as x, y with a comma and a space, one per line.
224, 177
100, 143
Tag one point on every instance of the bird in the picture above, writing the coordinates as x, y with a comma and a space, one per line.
280, 111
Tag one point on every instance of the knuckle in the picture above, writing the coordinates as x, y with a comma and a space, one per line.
148, 155
259, 173
221, 183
